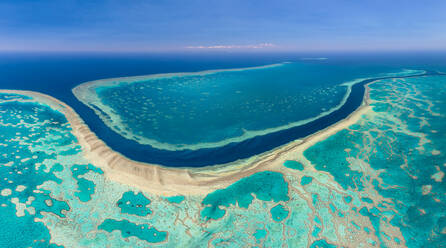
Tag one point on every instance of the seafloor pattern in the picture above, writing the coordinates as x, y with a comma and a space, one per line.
378, 183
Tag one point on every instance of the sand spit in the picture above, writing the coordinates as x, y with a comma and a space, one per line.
168, 181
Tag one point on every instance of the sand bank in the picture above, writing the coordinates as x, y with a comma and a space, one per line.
186, 181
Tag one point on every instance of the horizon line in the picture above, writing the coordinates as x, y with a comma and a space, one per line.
219, 51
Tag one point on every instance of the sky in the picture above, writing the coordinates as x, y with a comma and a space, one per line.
211, 25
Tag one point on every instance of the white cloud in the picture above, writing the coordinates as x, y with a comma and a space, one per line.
254, 46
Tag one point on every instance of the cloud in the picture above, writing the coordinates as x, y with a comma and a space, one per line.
320, 58
254, 46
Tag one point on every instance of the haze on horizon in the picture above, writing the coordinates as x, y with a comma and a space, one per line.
197, 25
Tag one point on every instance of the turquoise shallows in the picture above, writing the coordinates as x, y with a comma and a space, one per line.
355, 225
85, 187
31, 135
397, 151
294, 165
260, 234
128, 229
316, 231
266, 186
131, 203
279, 213
397, 202
334, 160
322, 243
79, 170
315, 199
175, 199
306, 180
348, 199
317, 220
366, 199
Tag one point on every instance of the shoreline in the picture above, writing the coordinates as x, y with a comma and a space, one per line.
169, 181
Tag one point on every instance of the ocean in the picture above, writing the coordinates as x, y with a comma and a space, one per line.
378, 181
238, 102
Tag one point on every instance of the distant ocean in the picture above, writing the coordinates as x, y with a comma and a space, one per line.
57, 73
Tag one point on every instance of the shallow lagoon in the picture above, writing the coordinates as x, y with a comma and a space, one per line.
211, 109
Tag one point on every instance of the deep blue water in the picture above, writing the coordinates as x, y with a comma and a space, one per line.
57, 74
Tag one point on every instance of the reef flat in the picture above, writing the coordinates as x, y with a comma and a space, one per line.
375, 179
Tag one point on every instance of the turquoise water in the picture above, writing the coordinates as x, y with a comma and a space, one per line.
144, 232
26, 150
306, 180
378, 183
85, 188
175, 199
265, 186
279, 213
132, 203
293, 165
212, 109
395, 154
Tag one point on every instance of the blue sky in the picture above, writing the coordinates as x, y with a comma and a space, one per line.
283, 25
